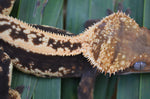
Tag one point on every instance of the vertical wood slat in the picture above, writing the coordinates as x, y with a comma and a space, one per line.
145, 78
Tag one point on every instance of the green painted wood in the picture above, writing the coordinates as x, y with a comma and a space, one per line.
128, 87
14, 11
146, 14
69, 88
145, 81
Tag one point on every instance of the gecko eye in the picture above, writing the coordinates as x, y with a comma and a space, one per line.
139, 65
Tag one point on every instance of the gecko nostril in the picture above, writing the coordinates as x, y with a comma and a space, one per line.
139, 65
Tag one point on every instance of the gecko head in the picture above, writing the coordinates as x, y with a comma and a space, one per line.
117, 43
140, 63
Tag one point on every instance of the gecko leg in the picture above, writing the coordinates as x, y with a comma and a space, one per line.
14, 94
4, 74
5, 78
86, 85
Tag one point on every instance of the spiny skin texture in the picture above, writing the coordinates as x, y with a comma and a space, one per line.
113, 44
116, 43
46, 65
22, 35
52, 29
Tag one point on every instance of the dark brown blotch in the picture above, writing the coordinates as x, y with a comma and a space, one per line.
4, 4
50, 41
37, 40
96, 51
63, 44
3, 19
18, 34
4, 28
14, 33
102, 25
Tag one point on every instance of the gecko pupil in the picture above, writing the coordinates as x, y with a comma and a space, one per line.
139, 65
